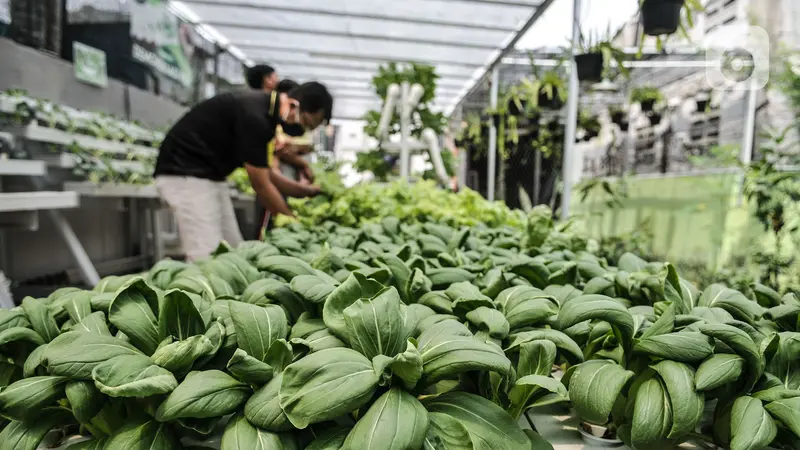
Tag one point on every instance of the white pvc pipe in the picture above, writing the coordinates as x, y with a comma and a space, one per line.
430, 137
414, 97
392, 95
572, 113
746, 155
405, 132
749, 126
492, 137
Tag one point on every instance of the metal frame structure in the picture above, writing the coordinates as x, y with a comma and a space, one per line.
345, 41
573, 101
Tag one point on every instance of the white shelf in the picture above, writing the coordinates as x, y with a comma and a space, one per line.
22, 167
35, 201
38, 133
66, 160
8, 105
112, 190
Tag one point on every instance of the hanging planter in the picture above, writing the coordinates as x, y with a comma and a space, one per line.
548, 89
548, 102
702, 101
660, 17
617, 116
590, 67
516, 107
647, 97
655, 118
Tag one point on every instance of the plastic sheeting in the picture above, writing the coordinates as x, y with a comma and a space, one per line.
342, 42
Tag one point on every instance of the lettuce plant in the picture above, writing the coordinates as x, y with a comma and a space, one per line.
297, 343
401, 333
658, 351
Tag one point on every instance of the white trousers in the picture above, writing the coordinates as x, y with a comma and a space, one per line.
203, 211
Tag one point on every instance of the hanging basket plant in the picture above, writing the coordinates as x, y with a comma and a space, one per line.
647, 97
660, 17
548, 91
590, 124
617, 115
516, 105
655, 118
547, 101
593, 58
665, 17
702, 99
590, 67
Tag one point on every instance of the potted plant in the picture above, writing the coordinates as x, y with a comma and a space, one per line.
654, 117
547, 91
617, 114
665, 17
646, 96
593, 58
590, 124
515, 101
703, 99
474, 128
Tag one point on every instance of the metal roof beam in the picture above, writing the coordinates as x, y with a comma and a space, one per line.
373, 96
292, 9
511, 3
277, 63
509, 48
358, 57
384, 59
374, 37
333, 79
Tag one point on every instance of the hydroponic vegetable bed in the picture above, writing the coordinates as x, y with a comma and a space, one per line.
403, 334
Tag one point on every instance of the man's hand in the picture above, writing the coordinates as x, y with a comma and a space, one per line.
285, 151
313, 190
307, 173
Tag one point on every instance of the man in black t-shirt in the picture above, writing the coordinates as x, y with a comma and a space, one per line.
219, 135
291, 155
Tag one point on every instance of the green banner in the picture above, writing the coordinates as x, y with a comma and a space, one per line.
161, 41
90, 64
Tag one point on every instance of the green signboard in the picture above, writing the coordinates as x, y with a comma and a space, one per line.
160, 40
90, 64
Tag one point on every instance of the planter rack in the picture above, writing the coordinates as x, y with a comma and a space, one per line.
21, 209
65, 115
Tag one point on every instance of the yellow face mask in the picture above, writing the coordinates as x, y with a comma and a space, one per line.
271, 160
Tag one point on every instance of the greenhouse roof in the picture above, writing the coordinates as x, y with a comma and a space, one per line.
342, 42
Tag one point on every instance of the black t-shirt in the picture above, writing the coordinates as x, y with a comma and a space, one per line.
219, 135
